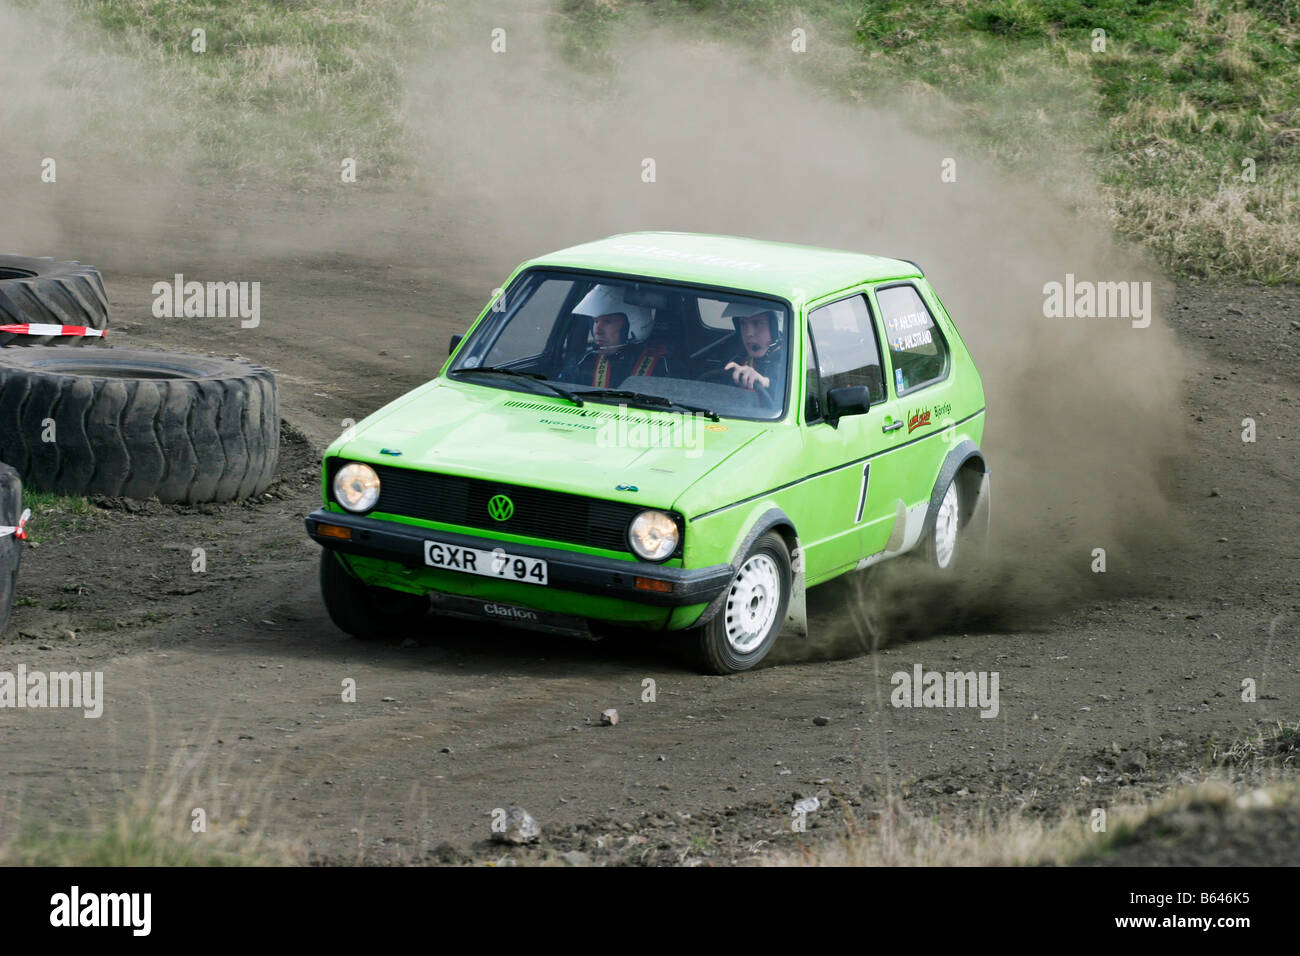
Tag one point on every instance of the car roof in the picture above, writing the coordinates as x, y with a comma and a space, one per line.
773, 268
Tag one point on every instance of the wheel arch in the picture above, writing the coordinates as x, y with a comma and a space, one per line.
964, 463
773, 519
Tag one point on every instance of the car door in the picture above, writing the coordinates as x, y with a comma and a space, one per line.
841, 348
919, 410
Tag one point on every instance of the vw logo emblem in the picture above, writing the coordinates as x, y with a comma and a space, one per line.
501, 508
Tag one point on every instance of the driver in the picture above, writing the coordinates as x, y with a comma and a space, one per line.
619, 332
760, 337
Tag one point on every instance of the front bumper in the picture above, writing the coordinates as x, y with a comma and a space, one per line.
566, 570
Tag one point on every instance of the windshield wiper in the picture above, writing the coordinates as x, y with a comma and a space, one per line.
653, 401
515, 373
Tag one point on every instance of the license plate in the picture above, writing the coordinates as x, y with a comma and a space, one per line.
491, 564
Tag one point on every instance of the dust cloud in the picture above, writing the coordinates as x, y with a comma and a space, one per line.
95, 155
1082, 412
520, 152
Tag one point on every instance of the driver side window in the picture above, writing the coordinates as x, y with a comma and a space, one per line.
530, 311
844, 339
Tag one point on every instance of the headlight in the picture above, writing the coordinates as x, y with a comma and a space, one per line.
356, 487
653, 535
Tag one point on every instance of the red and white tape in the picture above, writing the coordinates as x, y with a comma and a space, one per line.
37, 329
20, 531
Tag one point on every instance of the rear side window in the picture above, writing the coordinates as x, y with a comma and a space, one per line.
916, 346
845, 342
711, 313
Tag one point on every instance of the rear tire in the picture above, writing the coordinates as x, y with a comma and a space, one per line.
943, 545
367, 613
746, 627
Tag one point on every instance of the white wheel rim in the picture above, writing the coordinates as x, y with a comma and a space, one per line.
945, 528
752, 603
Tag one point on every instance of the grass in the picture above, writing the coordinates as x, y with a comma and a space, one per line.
157, 826
899, 838
1194, 103
1246, 775
281, 92
142, 838
117, 624
1275, 748
54, 516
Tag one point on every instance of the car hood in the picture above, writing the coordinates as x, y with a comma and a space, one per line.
538, 440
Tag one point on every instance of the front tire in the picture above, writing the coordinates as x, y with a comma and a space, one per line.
747, 625
367, 613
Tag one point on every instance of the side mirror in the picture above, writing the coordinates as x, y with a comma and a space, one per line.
849, 400
455, 341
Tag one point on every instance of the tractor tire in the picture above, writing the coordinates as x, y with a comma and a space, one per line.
138, 424
48, 292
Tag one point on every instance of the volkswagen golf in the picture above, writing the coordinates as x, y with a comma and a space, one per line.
667, 431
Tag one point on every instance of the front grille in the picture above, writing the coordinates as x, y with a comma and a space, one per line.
552, 515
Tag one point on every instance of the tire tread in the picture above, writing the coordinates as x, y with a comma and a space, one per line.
182, 440
61, 293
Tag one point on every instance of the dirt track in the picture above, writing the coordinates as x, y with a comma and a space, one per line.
237, 671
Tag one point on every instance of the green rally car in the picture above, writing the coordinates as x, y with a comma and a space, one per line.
667, 431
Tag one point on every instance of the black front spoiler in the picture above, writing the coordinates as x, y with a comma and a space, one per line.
566, 570
477, 609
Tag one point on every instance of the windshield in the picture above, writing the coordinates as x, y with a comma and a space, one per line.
635, 341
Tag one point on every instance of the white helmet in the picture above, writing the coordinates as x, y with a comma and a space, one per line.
606, 300
743, 310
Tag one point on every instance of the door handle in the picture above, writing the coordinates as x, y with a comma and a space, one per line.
892, 428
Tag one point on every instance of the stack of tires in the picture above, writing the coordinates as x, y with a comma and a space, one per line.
132, 423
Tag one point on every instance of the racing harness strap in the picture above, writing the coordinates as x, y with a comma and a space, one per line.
645, 365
